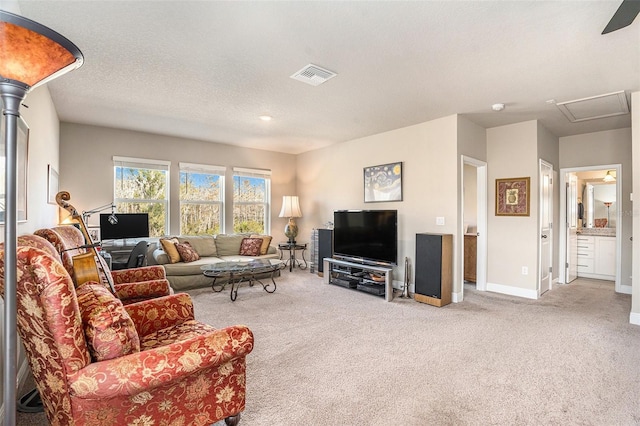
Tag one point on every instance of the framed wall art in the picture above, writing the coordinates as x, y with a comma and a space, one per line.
383, 183
22, 166
52, 185
512, 196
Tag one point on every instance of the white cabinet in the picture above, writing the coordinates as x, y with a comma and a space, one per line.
585, 251
605, 259
596, 257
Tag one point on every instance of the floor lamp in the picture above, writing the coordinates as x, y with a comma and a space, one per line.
30, 55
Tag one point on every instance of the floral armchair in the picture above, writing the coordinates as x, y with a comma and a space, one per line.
96, 361
132, 285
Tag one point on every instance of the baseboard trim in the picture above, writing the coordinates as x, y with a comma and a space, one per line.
626, 289
457, 297
634, 318
512, 291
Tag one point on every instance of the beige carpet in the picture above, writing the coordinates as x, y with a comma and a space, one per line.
325, 355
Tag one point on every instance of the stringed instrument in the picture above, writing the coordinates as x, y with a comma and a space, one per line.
89, 266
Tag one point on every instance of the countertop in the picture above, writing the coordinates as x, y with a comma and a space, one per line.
601, 232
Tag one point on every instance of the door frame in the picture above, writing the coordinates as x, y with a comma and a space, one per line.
548, 166
481, 208
619, 288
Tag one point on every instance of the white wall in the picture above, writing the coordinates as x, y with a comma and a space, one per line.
512, 151
609, 147
332, 178
470, 198
86, 163
635, 211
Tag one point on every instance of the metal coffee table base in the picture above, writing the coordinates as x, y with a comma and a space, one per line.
235, 282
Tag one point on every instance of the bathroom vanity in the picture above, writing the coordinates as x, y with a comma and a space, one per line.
597, 256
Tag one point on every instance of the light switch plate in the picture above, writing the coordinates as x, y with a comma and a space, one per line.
440, 221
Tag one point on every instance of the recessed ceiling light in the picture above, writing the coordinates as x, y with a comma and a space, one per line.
497, 107
265, 117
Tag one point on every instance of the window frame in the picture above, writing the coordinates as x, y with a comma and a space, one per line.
219, 171
260, 174
148, 164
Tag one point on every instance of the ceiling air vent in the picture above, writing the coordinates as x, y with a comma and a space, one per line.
313, 75
600, 106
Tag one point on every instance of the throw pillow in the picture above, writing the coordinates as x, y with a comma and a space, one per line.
187, 253
266, 240
204, 245
250, 246
169, 246
109, 329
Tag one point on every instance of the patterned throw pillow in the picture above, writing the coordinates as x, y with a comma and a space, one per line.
266, 240
187, 253
250, 246
169, 247
109, 330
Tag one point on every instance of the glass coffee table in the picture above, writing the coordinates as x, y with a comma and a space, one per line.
237, 272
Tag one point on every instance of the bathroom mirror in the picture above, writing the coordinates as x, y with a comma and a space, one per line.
600, 203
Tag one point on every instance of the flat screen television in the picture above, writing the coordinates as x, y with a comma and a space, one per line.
366, 236
130, 225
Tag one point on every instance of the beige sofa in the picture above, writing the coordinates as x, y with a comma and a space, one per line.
211, 249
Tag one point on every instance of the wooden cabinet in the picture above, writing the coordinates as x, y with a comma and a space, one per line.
470, 247
596, 257
434, 269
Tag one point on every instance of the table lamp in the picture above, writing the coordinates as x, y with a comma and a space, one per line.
290, 209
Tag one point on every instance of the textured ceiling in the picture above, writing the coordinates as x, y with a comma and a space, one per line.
207, 70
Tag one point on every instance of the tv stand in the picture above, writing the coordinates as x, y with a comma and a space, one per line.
355, 275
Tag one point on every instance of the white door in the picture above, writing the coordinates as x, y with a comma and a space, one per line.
546, 223
573, 215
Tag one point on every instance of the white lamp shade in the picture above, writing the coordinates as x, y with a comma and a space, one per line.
290, 206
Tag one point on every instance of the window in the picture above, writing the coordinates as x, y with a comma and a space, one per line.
251, 200
201, 199
142, 186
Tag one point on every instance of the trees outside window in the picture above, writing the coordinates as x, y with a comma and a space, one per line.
251, 200
201, 199
142, 186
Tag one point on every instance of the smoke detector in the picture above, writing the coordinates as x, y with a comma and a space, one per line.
313, 75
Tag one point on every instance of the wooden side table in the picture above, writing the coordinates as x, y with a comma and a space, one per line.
292, 261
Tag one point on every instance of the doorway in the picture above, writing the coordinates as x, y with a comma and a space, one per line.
474, 223
589, 210
545, 254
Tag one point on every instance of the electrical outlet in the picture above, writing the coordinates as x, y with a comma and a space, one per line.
440, 221
525, 270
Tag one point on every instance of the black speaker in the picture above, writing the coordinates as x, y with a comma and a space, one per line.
325, 247
433, 268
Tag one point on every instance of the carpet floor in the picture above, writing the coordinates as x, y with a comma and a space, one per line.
325, 355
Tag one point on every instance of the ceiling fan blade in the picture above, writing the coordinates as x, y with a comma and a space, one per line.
624, 16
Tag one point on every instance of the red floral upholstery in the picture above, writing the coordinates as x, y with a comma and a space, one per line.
108, 328
187, 373
149, 281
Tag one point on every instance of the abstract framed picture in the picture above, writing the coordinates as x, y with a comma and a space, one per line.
52, 185
512, 196
383, 183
